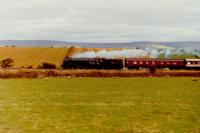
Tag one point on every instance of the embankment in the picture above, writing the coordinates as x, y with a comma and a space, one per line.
40, 73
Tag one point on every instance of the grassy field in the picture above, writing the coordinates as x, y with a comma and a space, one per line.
26, 57
78, 105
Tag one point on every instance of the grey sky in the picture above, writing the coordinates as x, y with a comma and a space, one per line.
100, 20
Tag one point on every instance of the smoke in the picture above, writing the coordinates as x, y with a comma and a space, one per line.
173, 53
126, 53
141, 53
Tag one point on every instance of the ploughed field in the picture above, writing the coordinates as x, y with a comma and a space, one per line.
33, 57
144, 105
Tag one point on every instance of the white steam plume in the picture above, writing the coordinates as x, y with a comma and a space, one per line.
139, 53
169, 53
126, 53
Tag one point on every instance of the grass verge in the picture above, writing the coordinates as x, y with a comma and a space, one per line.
139, 105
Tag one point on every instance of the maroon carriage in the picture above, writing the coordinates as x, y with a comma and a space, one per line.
136, 63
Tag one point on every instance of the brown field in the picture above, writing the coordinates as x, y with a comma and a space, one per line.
33, 57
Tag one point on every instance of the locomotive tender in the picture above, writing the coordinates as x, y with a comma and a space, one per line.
130, 63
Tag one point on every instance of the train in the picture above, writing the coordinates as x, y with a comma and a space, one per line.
130, 63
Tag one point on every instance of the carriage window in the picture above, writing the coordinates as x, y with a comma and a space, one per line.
135, 62
174, 63
141, 62
199, 62
147, 62
168, 63
153, 62
188, 63
162, 63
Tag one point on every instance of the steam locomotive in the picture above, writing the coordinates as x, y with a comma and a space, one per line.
130, 63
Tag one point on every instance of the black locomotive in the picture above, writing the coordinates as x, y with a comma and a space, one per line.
92, 63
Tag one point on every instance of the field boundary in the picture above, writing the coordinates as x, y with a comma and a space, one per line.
40, 73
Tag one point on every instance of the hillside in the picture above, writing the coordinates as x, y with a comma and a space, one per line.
139, 44
33, 57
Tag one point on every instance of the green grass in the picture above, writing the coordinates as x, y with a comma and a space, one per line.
78, 105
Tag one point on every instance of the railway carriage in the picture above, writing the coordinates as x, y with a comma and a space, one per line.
192, 63
136, 63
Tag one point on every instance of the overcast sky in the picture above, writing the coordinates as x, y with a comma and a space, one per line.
100, 20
